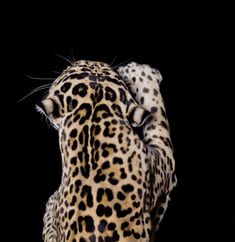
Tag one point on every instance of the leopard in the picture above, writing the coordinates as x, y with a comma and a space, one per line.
112, 179
144, 84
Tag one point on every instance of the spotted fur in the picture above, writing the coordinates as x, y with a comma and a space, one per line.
112, 180
144, 84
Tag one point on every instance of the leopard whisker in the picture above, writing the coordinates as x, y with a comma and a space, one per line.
73, 58
56, 72
123, 62
43, 87
114, 59
64, 58
44, 116
40, 78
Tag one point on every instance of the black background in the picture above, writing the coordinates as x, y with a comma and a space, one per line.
193, 48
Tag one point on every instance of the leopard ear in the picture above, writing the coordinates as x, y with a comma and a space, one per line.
137, 115
48, 107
